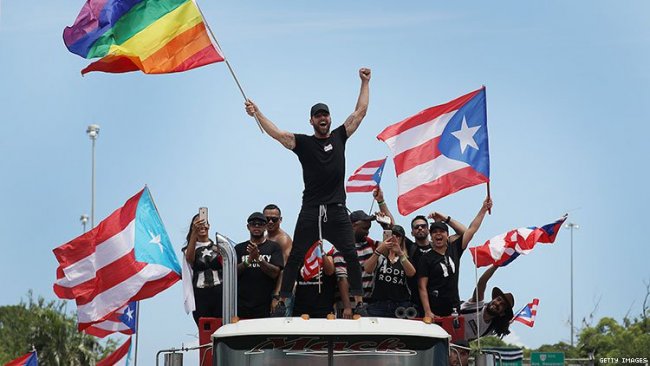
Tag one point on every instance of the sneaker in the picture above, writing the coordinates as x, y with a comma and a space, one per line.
279, 311
361, 309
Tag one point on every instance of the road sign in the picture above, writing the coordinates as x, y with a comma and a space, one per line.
547, 359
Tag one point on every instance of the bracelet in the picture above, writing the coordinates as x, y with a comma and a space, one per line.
245, 261
403, 258
377, 253
381, 203
448, 219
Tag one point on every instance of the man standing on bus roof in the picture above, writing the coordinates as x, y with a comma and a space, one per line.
323, 212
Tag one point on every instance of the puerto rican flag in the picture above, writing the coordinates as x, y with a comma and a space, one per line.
440, 150
314, 259
127, 257
367, 177
504, 248
527, 314
120, 357
123, 320
30, 359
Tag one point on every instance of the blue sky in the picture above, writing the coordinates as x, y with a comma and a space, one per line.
567, 82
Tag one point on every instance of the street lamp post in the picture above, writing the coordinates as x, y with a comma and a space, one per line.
84, 220
93, 132
571, 226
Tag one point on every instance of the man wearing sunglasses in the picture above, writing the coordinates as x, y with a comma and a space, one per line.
275, 233
422, 245
323, 214
259, 262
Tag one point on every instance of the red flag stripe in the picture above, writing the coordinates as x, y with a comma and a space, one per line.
424, 194
106, 278
425, 116
116, 356
113, 250
156, 277
81, 247
421, 154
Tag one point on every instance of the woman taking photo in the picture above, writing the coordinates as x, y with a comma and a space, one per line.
391, 267
203, 265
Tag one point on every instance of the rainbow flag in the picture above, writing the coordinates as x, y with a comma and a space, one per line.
155, 36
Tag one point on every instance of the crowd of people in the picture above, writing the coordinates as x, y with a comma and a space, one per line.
397, 276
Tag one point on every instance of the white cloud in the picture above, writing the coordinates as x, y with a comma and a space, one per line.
513, 338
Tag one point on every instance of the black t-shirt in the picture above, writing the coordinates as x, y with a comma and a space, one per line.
442, 271
415, 253
309, 301
254, 287
323, 167
207, 267
390, 281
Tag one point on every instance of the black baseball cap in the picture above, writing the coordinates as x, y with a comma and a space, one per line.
318, 107
359, 215
256, 216
438, 225
399, 231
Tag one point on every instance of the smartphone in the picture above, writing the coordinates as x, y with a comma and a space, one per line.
203, 214
387, 234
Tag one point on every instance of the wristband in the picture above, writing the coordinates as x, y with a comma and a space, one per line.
245, 261
381, 203
377, 253
403, 258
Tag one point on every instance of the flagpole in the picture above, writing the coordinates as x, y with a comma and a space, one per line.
372, 204
488, 196
232, 72
137, 332
322, 255
478, 323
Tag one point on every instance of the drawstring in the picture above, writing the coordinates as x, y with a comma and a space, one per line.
322, 217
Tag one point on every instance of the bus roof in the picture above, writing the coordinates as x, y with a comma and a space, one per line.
362, 326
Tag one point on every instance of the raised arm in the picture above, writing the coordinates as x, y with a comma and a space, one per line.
482, 284
459, 228
190, 251
383, 207
287, 139
354, 120
476, 223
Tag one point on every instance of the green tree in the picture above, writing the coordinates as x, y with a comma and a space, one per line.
47, 326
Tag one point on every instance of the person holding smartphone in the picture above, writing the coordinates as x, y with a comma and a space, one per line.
203, 267
391, 268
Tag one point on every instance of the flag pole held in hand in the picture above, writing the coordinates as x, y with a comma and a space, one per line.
232, 72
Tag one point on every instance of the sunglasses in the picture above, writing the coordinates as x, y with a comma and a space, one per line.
257, 223
272, 219
420, 226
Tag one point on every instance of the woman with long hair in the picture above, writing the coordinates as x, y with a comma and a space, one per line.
391, 267
204, 267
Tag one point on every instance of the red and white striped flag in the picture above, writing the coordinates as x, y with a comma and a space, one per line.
127, 257
367, 177
440, 150
120, 357
527, 314
314, 259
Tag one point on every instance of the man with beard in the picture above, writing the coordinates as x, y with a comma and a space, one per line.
438, 269
492, 318
422, 245
323, 214
259, 262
